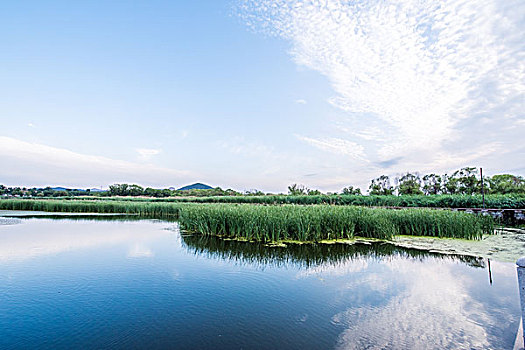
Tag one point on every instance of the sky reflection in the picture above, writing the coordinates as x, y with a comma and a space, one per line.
90, 282
32, 238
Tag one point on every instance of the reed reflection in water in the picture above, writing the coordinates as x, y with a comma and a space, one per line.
307, 255
386, 296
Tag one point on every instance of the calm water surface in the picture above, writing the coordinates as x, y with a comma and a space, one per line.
84, 283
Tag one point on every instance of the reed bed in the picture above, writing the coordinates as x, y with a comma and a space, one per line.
285, 222
495, 201
325, 222
149, 209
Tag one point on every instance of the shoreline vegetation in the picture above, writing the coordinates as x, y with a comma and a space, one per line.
277, 223
492, 201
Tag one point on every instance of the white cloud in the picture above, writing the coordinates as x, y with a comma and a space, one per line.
239, 145
19, 160
23, 241
415, 67
335, 145
345, 267
418, 315
138, 250
269, 161
147, 152
370, 134
300, 101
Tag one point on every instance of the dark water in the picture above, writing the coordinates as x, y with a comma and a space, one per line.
92, 284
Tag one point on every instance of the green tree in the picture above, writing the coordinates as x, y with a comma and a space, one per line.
254, 192
313, 192
506, 184
409, 184
381, 186
150, 192
464, 181
135, 190
118, 190
297, 190
350, 190
432, 184
450, 185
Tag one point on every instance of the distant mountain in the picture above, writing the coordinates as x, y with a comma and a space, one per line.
195, 186
77, 189
96, 190
62, 189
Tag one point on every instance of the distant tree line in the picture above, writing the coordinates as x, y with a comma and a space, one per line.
121, 190
40, 192
465, 181
136, 190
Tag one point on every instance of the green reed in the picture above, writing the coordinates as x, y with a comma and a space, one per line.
84, 206
325, 222
498, 201
283, 222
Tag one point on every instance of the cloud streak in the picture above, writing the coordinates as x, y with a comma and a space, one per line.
146, 153
337, 146
416, 67
19, 160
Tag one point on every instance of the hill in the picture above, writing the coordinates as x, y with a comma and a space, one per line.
195, 186
67, 189
60, 188
96, 190
76, 189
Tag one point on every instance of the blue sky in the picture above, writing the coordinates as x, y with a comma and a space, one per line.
258, 94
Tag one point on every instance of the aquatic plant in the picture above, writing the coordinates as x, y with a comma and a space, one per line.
510, 201
325, 222
284, 222
149, 209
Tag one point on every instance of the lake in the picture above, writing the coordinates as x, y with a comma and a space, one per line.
117, 282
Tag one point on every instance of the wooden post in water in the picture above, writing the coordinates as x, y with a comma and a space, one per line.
490, 273
482, 187
521, 285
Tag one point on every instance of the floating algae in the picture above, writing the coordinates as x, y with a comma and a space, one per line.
307, 255
9, 221
506, 245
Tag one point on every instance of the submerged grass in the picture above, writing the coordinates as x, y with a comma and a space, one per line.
270, 223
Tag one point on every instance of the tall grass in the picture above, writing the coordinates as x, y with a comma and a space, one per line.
324, 222
285, 222
496, 201
84, 206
